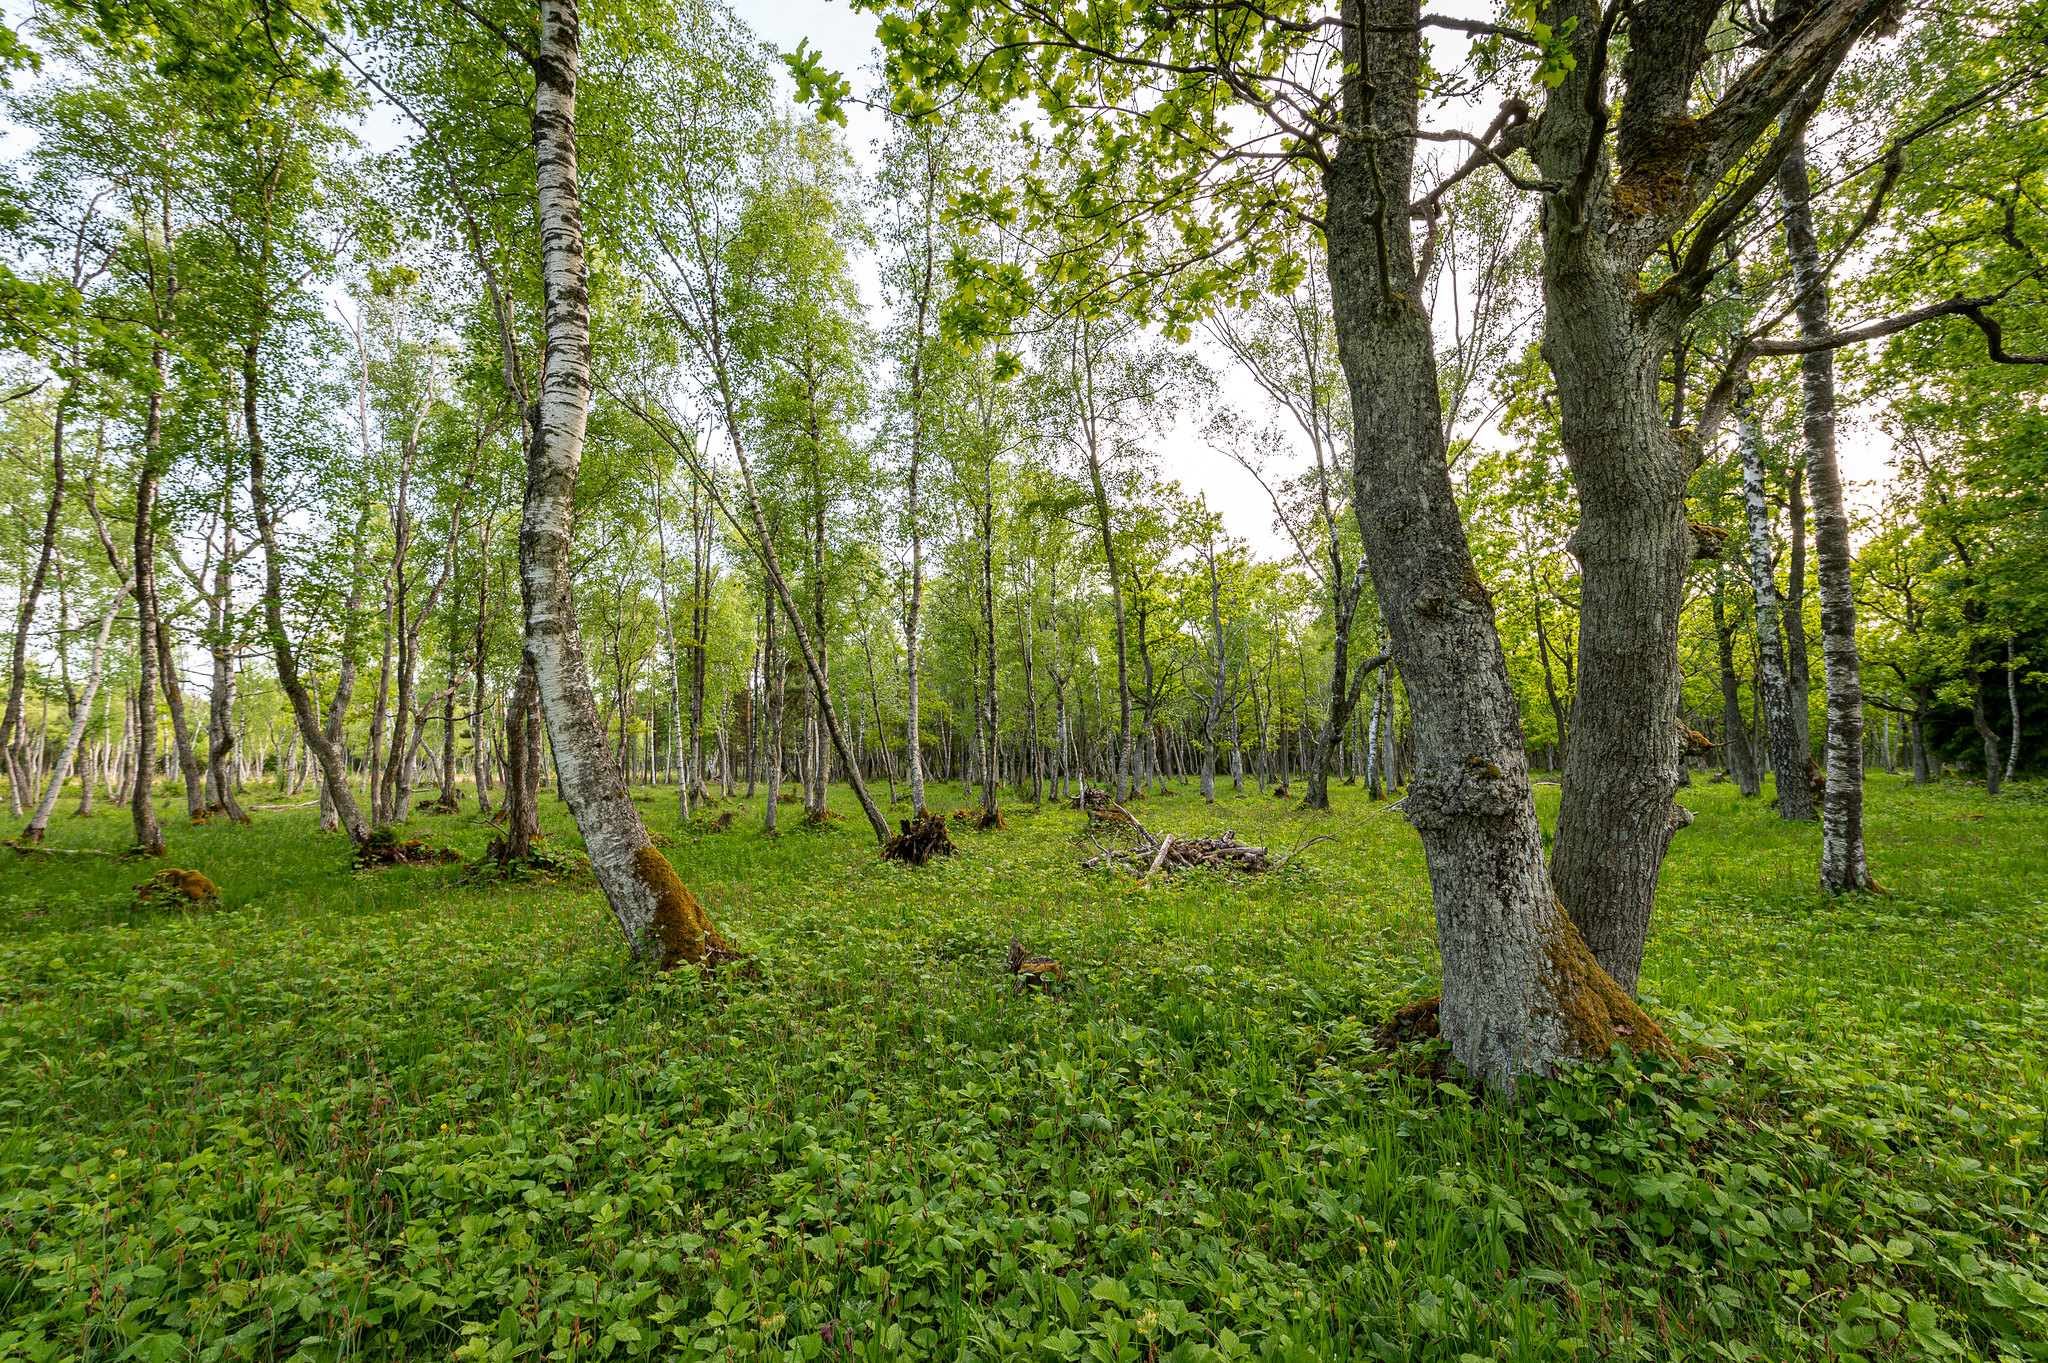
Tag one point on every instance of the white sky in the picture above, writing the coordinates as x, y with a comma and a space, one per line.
847, 41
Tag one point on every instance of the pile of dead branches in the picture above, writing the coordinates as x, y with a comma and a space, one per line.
920, 841
1135, 849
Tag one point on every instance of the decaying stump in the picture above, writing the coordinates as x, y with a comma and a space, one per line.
385, 848
1032, 972
920, 841
175, 889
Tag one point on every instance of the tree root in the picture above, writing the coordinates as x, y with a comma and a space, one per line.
922, 839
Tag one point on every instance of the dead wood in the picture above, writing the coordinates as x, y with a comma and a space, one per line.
921, 839
385, 848
176, 889
1146, 856
1032, 972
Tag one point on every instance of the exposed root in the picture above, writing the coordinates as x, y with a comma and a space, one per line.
1596, 1012
176, 889
1410, 1022
989, 819
922, 839
681, 928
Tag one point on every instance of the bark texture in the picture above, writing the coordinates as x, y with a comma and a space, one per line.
1521, 991
1843, 865
1677, 180
656, 912
1773, 680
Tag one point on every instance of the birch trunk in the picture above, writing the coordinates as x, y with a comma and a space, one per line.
1843, 865
1773, 682
221, 697
12, 728
1521, 991
1741, 757
657, 914
81, 716
333, 765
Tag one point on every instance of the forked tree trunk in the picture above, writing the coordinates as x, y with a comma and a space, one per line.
1773, 680
1521, 991
657, 914
39, 823
1622, 765
333, 767
12, 727
1842, 862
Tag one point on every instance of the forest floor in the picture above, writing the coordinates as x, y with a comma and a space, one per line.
391, 1113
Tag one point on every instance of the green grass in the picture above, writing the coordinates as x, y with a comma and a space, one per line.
392, 1114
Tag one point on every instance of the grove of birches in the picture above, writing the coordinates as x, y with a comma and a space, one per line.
1191, 679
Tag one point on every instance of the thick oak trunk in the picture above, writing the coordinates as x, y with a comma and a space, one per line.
1521, 991
1622, 765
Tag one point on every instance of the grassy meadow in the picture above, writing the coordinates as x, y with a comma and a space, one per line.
398, 1114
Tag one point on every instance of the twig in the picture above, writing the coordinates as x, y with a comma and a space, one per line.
1165, 846
1320, 837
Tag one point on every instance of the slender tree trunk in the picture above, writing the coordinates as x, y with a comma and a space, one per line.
11, 727
149, 836
1773, 683
1797, 654
2012, 697
1125, 739
657, 914
189, 768
522, 769
1923, 701
1980, 719
989, 785
221, 699
1521, 991
60, 772
1741, 758
333, 765
1843, 865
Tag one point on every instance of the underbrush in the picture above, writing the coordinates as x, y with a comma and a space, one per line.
396, 1114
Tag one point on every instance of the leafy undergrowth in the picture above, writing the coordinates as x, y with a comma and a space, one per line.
406, 1115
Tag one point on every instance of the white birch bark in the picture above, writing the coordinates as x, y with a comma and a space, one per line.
39, 823
1773, 683
657, 914
1843, 865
